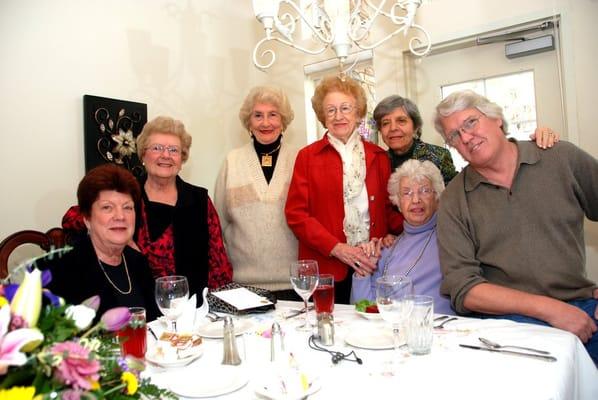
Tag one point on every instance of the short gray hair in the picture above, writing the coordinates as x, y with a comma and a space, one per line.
391, 103
415, 170
268, 95
464, 99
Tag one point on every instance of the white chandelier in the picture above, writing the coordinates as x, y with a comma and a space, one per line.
339, 24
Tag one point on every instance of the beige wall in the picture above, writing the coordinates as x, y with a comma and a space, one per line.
187, 59
192, 60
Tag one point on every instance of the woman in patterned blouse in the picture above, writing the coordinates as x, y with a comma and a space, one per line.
177, 227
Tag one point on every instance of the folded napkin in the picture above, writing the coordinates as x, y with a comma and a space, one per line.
186, 321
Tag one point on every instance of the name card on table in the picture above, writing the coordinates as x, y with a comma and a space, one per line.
242, 299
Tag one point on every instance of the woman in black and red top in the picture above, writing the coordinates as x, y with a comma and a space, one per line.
178, 229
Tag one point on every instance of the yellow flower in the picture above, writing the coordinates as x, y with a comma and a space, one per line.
95, 385
18, 393
3, 301
131, 381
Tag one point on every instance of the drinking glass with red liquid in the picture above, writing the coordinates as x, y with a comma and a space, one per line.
324, 294
133, 337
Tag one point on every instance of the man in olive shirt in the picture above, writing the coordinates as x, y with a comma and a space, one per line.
510, 225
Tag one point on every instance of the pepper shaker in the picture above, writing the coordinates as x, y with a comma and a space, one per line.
326, 329
229, 341
276, 343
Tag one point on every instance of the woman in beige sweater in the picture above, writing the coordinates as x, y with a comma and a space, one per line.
251, 192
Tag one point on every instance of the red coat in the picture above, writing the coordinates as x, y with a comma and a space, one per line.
315, 209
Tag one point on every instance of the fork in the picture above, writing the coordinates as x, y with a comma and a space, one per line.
213, 316
441, 325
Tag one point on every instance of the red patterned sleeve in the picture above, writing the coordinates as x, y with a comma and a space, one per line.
221, 270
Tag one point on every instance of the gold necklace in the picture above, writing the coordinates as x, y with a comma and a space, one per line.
394, 245
110, 280
267, 157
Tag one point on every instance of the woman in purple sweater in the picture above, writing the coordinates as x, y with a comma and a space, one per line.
415, 188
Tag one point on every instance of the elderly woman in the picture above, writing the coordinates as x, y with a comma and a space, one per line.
415, 188
178, 229
337, 199
251, 191
102, 263
400, 123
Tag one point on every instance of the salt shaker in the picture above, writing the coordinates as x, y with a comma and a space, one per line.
276, 343
231, 354
326, 329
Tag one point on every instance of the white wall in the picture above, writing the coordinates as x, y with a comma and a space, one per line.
192, 60
187, 59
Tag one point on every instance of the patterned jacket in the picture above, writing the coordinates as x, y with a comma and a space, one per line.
422, 151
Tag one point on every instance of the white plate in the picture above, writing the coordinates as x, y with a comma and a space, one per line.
215, 330
209, 382
270, 391
373, 316
376, 338
150, 356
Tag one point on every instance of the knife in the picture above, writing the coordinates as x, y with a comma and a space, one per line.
298, 312
511, 353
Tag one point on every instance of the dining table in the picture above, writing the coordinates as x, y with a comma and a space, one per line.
449, 371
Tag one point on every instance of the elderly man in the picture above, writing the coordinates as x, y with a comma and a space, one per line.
510, 225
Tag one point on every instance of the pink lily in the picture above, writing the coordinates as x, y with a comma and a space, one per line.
12, 342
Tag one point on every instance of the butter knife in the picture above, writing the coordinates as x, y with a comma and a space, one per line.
298, 312
511, 353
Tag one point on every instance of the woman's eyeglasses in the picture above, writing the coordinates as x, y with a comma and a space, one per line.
159, 149
344, 109
423, 192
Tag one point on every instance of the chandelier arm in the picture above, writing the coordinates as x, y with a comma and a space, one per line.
364, 25
416, 41
272, 54
369, 4
324, 38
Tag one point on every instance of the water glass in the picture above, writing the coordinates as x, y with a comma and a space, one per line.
419, 326
324, 294
133, 337
172, 294
304, 276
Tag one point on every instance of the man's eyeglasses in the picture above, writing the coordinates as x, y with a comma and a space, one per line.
159, 149
468, 126
344, 109
423, 192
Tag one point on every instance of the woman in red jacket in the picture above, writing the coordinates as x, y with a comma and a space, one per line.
337, 197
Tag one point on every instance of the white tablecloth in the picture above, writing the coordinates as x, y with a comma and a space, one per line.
449, 372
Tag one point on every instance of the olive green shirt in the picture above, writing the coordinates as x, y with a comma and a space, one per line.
528, 238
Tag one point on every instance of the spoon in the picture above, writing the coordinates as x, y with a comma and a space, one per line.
441, 325
494, 345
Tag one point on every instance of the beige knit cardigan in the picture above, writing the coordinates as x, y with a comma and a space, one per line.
259, 243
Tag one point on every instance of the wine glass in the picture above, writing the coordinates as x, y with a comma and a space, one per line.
304, 278
393, 303
172, 293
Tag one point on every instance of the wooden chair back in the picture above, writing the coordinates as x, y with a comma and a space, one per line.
55, 237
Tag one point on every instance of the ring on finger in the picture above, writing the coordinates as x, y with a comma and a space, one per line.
357, 264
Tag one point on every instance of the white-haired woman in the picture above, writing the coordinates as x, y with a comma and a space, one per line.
251, 191
415, 189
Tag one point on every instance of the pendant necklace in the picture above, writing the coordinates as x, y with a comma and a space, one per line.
421, 253
110, 280
267, 157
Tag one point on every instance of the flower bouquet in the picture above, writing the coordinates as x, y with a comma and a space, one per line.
53, 353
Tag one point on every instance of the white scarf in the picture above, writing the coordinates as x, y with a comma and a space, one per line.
356, 224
